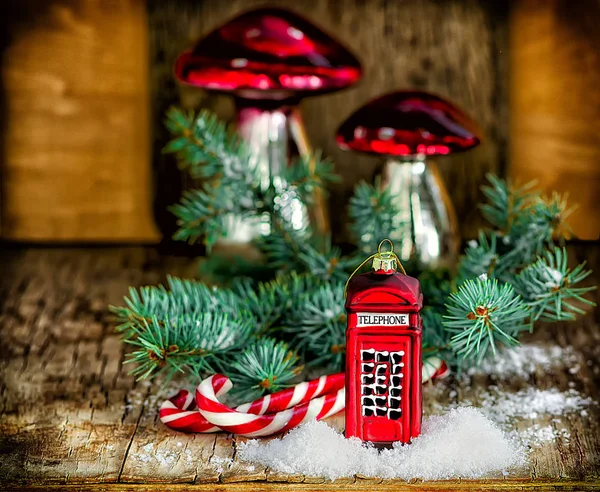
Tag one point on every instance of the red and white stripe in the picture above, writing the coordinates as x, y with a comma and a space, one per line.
288, 410
434, 368
178, 411
278, 412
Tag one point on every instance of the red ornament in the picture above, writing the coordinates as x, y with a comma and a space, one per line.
408, 128
383, 353
268, 53
407, 123
269, 59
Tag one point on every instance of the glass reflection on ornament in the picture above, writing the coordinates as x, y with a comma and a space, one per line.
408, 127
269, 59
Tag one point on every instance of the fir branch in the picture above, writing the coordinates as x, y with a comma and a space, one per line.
550, 214
189, 343
223, 269
206, 147
527, 225
436, 339
265, 302
485, 257
191, 327
294, 286
482, 313
204, 213
308, 173
530, 236
548, 286
327, 264
372, 213
183, 298
287, 251
436, 286
317, 322
266, 366
507, 205
282, 250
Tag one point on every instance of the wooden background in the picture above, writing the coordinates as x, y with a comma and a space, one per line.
456, 48
555, 102
75, 163
87, 82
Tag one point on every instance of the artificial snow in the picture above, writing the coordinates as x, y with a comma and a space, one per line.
220, 464
162, 457
506, 409
554, 278
524, 360
536, 435
531, 403
462, 443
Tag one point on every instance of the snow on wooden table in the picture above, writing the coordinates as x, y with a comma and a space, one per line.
72, 418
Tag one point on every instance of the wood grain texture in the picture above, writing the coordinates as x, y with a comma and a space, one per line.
555, 102
71, 418
453, 48
76, 140
309, 487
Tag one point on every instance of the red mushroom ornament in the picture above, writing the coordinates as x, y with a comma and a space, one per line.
269, 59
408, 128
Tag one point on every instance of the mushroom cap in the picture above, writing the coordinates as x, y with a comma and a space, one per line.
407, 123
268, 53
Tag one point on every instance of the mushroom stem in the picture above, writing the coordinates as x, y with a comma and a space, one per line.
425, 227
276, 135
267, 134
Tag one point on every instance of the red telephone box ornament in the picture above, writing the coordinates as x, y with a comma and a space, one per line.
383, 353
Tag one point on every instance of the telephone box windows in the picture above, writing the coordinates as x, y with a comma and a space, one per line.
380, 396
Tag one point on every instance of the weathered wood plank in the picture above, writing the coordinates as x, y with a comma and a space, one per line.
68, 409
70, 414
158, 454
303, 487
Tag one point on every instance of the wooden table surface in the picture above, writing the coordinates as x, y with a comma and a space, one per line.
73, 419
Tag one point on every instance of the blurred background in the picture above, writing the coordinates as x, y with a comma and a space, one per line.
85, 85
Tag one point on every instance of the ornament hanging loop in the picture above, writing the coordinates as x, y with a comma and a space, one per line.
389, 254
391, 250
388, 258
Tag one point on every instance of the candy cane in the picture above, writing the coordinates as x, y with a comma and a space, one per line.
434, 368
253, 425
270, 414
177, 412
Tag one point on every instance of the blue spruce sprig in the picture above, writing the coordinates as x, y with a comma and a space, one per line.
548, 287
483, 313
265, 366
257, 332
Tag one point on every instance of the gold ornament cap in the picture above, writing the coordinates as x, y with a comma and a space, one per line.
382, 261
385, 260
